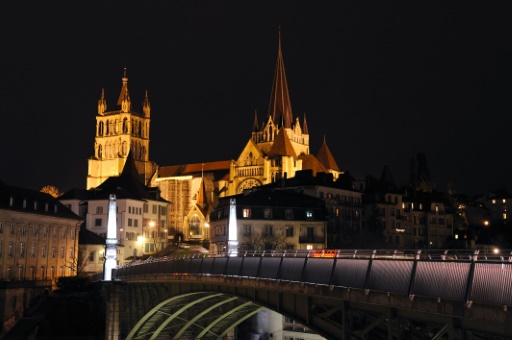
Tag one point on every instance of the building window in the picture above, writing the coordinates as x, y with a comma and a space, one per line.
267, 213
43, 276
54, 252
288, 214
45, 231
99, 210
43, 251
11, 250
1, 228
63, 232
130, 222
71, 253
22, 249
23, 230
13, 229
33, 250
268, 230
1, 248
246, 230
97, 222
61, 252
32, 273
289, 231
91, 256
246, 213
309, 214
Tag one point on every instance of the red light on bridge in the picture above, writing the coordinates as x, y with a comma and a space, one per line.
323, 253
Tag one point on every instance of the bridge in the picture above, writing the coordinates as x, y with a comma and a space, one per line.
356, 294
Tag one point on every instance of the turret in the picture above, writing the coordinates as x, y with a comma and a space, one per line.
102, 103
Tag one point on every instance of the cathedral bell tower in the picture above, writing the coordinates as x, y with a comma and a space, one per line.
118, 132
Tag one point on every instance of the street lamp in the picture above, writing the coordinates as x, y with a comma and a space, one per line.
140, 241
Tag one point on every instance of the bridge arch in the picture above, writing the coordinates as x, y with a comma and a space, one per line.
201, 314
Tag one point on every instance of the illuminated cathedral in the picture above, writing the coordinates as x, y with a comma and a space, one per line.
276, 150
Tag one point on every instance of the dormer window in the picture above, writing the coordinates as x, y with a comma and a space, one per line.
46, 207
309, 214
11, 201
24, 203
267, 213
289, 214
35, 205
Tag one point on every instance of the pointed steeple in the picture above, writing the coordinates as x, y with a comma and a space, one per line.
146, 108
124, 90
280, 108
255, 127
325, 157
202, 196
305, 126
102, 103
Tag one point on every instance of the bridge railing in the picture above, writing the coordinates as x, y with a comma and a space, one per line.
465, 276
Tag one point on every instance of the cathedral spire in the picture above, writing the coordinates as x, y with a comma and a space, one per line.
146, 108
124, 90
255, 126
280, 108
102, 103
305, 126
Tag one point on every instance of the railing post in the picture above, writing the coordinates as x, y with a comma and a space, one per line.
368, 271
469, 284
410, 295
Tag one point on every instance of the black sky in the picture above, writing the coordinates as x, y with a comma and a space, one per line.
381, 80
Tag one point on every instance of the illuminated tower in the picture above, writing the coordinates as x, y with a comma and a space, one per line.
111, 241
118, 132
232, 229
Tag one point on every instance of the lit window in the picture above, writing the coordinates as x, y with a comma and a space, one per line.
504, 216
493, 201
309, 214
504, 200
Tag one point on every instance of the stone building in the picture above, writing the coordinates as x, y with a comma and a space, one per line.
38, 244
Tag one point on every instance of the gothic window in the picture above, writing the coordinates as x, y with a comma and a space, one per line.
125, 125
194, 225
100, 129
100, 151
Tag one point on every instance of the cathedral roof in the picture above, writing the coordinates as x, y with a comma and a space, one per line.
325, 157
310, 162
280, 108
282, 145
189, 169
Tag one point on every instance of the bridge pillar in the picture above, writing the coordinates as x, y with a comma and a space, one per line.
113, 292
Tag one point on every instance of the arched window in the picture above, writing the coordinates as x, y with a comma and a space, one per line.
195, 221
125, 125
100, 129
100, 151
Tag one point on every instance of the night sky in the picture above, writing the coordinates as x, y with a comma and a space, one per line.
380, 80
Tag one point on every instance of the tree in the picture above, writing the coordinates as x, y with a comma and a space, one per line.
77, 262
276, 241
51, 190
253, 242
